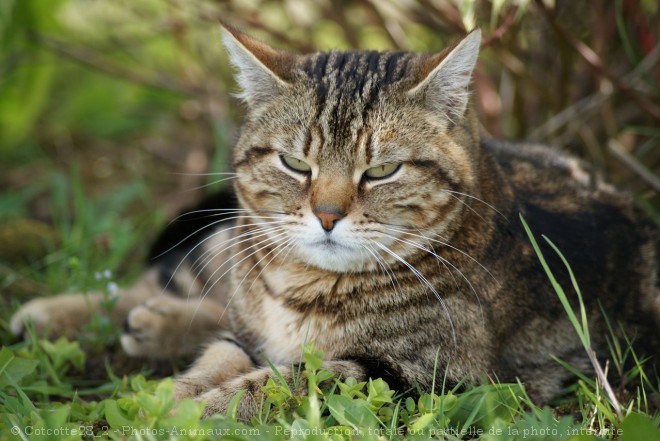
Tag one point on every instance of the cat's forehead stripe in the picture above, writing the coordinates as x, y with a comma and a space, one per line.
347, 86
341, 67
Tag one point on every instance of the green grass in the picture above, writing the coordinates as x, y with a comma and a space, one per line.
82, 82
48, 392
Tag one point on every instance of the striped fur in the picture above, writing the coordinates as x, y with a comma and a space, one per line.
428, 263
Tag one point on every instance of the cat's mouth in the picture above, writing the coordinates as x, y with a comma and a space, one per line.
333, 255
330, 244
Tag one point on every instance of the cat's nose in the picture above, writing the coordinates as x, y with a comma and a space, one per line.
328, 217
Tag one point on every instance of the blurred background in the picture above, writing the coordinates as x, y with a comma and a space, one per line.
113, 112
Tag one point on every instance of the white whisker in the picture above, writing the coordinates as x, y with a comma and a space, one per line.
476, 198
205, 291
384, 266
466, 204
199, 187
447, 244
209, 237
224, 212
422, 279
208, 226
213, 252
285, 244
204, 174
420, 247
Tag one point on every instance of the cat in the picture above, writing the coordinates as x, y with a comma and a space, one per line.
373, 220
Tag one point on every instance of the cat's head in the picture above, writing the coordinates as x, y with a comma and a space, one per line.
346, 156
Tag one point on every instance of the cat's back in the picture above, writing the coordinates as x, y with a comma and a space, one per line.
546, 179
611, 245
547, 174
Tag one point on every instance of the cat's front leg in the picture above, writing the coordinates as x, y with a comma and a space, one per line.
67, 314
166, 326
217, 398
156, 324
222, 361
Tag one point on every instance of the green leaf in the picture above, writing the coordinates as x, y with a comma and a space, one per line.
448, 402
277, 394
350, 412
115, 417
344, 432
639, 427
63, 351
160, 402
379, 393
279, 377
585, 438
187, 415
410, 405
13, 369
129, 406
422, 422
300, 426
426, 402
324, 375
313, 358
165, 391
51, 424
233, 404
139, 383
352, 388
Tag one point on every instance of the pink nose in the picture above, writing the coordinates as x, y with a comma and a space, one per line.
328, 218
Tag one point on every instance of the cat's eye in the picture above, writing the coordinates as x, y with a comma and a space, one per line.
295, 164
382, 171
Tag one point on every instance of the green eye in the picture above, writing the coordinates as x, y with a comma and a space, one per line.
382, 171
295, 164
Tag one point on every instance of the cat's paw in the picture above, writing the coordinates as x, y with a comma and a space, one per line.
250, 386
63, 315
217, 400
165, 327
35, 312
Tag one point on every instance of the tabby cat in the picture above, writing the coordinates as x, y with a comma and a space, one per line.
373, 220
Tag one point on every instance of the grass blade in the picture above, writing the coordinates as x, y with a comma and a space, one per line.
581, 329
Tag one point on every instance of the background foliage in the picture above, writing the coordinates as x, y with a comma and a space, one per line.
112, 112
135, 90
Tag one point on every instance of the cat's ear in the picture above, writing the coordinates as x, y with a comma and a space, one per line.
262, 70
445, 78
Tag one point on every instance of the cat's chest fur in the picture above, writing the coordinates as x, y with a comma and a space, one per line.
282, 329
282, 332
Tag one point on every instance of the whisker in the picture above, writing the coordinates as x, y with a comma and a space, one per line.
199, 187
205, 291
422, 279
204, 174
285, 244
447, 244
384, 266
467, 205
440, 261
209, 254
293, 243
208, 226
185, 257
476, 198
418, 246
225, 211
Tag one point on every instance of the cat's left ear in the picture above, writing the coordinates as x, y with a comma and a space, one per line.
446, 78
262, 70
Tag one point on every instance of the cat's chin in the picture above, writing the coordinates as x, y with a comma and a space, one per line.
332, 256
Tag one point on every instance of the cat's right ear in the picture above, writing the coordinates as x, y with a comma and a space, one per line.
262, 70
445, 78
